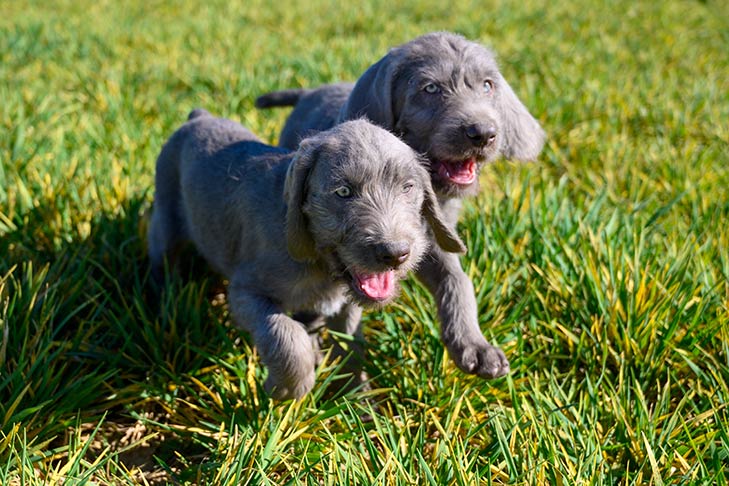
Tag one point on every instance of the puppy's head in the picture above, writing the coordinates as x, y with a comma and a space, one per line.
445, 97
360, 200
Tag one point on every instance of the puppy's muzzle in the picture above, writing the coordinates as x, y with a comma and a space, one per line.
392, 254
480, 134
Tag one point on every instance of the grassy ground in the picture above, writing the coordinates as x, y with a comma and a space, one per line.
601, 270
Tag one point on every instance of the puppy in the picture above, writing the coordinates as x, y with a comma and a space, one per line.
325, 229
441, 93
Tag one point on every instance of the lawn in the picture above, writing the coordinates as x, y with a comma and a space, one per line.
601, 269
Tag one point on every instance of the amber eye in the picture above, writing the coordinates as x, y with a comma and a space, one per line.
431, 88
344, 191
488, 86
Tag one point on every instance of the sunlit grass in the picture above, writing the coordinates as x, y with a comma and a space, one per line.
601, 269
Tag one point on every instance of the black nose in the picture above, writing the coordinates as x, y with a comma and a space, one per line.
393, 254
480, 134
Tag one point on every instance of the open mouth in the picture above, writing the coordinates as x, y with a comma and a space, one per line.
375, 287
462, 172
378, 287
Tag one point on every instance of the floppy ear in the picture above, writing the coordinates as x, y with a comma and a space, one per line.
371, 97
446, 237
298, 238
523, 136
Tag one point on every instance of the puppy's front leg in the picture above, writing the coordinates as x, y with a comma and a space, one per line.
347, 321
283, 343
458, 312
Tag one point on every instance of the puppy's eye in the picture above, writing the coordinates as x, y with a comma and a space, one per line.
488, 86
431, 88
407, 187
344, 191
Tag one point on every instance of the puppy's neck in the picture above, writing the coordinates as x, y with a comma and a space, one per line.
451, 209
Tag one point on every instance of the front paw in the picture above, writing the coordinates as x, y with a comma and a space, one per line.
288, 389
286, 350
480, 359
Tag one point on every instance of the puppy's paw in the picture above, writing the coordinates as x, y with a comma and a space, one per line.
481, 359
286, 390
286, 350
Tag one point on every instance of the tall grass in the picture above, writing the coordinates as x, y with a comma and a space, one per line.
601, 269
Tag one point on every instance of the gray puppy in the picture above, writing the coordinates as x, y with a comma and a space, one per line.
333, 225
445, 97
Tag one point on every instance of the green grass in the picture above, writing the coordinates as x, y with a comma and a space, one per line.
601, 269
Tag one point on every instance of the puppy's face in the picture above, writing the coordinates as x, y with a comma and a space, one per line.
364, 212
445, 97
447, 101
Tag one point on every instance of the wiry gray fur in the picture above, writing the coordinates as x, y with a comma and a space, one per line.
271, 222
459, 122
314, 110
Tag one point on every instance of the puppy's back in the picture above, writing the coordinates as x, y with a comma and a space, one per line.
231, 185
317, 110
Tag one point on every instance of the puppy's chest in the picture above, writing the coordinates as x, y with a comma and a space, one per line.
318, 294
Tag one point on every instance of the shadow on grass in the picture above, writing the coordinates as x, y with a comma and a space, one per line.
88, 335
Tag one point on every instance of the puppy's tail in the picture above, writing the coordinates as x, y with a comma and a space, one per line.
198, 112
286, 97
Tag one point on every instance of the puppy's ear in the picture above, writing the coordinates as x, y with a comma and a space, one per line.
446, 237
372, 96
523, 136
298, 238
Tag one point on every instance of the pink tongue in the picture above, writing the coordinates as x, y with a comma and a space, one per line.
378, 286
463, 173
